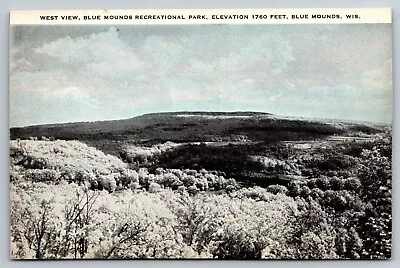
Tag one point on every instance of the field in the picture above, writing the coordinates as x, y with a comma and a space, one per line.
240, 185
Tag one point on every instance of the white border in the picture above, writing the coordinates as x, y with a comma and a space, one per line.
202, 16
7, 5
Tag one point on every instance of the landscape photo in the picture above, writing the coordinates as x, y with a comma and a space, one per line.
201, 141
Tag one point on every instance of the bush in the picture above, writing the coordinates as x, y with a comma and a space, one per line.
275, 189
154, 187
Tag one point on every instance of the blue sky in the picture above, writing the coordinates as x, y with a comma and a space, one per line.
87, 73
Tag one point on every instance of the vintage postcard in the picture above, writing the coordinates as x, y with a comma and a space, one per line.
211, 134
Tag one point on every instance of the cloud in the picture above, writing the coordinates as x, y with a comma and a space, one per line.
18, 64
378, 79
121, 72
75, 94
98, 54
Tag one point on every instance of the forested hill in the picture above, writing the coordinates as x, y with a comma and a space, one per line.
195, 126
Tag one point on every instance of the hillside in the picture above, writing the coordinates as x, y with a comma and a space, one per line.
193, 126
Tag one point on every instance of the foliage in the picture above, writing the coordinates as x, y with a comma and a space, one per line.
70, 200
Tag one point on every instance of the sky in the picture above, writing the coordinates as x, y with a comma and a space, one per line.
87, 73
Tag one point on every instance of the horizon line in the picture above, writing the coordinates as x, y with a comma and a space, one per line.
200, 111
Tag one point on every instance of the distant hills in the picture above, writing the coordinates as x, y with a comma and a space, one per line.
196, 126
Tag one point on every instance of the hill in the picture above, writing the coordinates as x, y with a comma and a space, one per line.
193, 126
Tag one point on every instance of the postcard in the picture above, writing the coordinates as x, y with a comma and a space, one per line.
201, 134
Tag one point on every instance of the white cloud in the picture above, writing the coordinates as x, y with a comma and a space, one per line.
379, 79
102, 54
75, 94
272, 68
